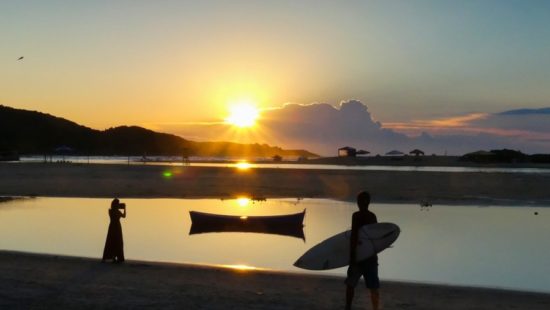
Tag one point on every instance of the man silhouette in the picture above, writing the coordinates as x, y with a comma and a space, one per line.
367, 268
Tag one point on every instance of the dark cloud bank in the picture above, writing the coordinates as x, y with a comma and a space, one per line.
323, 128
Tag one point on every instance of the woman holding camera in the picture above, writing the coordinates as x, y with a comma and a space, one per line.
114, 244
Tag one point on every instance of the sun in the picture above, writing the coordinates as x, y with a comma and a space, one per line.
243, 115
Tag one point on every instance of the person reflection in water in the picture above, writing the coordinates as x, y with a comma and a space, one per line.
367, 268
114, 244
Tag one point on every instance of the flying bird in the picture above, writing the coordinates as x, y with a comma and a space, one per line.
20, 58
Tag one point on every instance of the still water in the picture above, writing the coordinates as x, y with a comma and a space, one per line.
504, 247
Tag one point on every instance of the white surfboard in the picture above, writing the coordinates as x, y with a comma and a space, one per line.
334, 251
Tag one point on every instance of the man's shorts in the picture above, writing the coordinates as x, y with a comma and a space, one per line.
368, 269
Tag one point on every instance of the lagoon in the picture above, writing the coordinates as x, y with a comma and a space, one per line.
502, 247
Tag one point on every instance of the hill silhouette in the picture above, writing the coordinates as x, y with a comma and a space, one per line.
32, 132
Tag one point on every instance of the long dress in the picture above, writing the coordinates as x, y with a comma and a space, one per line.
114, 244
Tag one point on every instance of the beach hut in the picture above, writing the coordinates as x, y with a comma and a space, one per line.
416, 152
347, 151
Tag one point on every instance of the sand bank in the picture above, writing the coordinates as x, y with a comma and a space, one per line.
29, 281
80, 180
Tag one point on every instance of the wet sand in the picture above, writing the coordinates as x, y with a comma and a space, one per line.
136, 181
30, 281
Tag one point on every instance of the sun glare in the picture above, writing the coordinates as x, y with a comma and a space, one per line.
243, 115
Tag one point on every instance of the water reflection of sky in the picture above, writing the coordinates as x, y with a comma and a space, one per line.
486, 246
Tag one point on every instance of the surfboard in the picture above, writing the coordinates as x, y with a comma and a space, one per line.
334, 251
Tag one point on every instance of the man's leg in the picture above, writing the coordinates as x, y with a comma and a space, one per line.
350, 291
354, 274
375, 298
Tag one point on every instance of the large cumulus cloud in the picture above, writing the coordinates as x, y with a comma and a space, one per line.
324, 128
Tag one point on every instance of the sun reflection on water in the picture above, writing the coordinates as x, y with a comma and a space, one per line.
243, 165
241, 267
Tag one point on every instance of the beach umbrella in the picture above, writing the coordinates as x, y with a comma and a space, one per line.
63, 150
416, 152
395, 153
362, 152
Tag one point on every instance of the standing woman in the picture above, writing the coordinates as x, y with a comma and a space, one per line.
114, 244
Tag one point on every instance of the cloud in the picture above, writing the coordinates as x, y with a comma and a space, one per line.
530, 122
323, 128
525, 124
326, 128
449, 125
524, 129
543, 111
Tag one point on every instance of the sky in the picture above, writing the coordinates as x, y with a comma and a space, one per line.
423, 70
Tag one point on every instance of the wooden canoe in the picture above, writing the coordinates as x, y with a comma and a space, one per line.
287, 224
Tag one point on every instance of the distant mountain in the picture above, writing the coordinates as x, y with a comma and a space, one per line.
526, 112
31, 132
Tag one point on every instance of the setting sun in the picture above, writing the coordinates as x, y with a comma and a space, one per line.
243, 201
243, 115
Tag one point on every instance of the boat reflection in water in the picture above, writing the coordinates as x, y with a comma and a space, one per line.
286, 225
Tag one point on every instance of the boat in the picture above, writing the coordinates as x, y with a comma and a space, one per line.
286, 224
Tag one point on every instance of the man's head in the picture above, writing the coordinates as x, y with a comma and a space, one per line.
363, 200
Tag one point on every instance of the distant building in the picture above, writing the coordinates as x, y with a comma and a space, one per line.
347, 151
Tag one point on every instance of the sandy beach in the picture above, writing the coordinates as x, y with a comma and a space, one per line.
35, 281
31, 281
141, 181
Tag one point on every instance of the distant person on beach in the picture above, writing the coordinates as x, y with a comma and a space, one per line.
114, 244
367, 268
